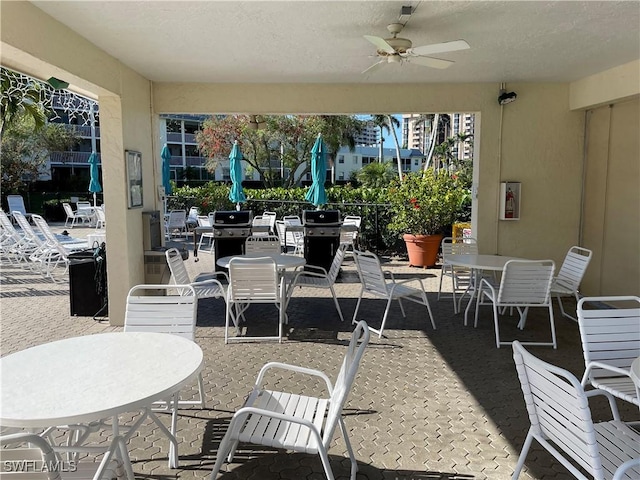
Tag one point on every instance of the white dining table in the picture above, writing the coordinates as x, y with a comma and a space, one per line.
283, 261
477, 264
86, 379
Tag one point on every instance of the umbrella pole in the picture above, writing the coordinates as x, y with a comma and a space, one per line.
238, 207
94, 200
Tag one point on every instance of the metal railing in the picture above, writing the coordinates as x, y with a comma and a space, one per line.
79, 158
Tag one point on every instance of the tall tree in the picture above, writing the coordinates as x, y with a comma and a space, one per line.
388, 123
340, 131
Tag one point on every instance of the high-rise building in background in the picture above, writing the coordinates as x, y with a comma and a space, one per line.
417, 128
369, 136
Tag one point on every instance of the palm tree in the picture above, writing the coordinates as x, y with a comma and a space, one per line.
339, 131
389, 123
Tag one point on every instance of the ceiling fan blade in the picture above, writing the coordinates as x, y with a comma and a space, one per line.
430, 62
453, 46
380, 43
375, 66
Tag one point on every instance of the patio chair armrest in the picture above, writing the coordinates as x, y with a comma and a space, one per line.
211, 281
612, 401
390, 273
604, 366
291, 368
484, 281
625, 467
409, 280
315, 267
304, 273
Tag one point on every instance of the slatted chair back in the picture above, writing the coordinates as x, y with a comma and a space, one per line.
610, 335
177, 221
370, 272
294, 238
16, 203
526, 283
84, 208
459, 246
558, 409
349, 236
204, 221
336, 263
261, 226
149, 311
49, 238
178, 269
344, 381
253, 280
280, 230
573, 268
271, 216
262, 244
101, 219
27, 229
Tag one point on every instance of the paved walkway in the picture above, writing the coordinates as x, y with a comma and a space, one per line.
443, 404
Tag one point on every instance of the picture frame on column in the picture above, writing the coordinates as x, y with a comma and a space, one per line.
133, 162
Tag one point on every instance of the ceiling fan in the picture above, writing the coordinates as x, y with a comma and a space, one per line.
400, 50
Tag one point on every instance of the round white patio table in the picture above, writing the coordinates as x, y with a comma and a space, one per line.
89, 378
477, 264
283, 261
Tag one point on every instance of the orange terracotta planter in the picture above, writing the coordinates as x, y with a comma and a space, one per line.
422, 249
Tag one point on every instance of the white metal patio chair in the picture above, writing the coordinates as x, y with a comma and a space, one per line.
524, 284
349, 235
11, 241
253, 280
205, 221
294, 237
461, 278
101, 219
271, 216
27, 456
567, 282
260, 226
610, 342
75, 216
302, 423
561, 422
206, 285
318, 277
176, 222
148, 310
374, 282
262, 244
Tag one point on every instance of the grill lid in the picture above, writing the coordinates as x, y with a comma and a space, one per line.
311, 218
232, 218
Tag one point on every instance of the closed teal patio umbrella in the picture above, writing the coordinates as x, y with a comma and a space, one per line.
94, 173
316, 193
236, 194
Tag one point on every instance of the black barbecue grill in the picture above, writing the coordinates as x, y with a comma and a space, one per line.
230, 230
321, 236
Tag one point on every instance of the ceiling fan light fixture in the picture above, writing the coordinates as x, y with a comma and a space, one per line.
505, 97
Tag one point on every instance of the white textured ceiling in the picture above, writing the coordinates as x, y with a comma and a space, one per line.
321, 42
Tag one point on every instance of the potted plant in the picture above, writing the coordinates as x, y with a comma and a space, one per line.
423, 205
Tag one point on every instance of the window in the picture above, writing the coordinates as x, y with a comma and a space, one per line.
355, 160
341, 176
341, 159
416, 162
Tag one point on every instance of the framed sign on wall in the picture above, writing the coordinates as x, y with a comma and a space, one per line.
134, 177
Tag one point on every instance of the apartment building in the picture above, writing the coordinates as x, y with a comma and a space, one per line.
347, 162
417, 128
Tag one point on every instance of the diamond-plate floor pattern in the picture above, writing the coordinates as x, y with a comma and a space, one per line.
443, 404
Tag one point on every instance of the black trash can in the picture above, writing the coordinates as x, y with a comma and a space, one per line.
84, 298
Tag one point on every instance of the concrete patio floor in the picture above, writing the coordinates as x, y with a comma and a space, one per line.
443, 404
